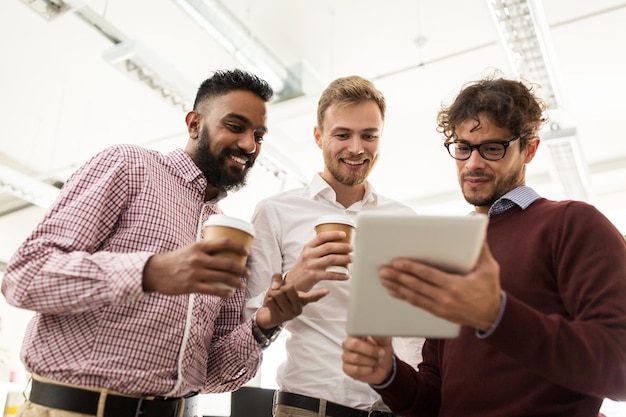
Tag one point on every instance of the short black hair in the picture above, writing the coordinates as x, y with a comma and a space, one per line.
225, 81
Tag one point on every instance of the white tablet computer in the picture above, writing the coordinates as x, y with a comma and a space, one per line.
449, 242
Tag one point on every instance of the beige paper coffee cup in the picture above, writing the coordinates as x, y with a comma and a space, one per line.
334, 222
219, 226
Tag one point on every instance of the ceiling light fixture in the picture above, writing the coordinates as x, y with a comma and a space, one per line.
567, 161
525, 36
28, 189
127, 55
234, 37
50, 9
146, 67
524, 33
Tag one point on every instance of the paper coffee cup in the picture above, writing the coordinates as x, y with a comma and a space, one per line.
219, 226
334, 222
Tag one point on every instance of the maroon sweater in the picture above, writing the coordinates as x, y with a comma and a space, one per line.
561, 345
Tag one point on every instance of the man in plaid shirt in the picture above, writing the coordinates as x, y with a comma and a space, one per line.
128, 319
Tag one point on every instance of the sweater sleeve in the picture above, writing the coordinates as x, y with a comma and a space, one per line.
585, 349
416, 393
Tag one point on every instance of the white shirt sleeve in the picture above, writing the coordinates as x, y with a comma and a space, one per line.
409, 349
265, 257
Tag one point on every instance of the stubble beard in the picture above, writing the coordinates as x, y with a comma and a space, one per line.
498, 189
353, 178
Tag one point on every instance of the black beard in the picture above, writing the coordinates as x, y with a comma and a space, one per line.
212, 166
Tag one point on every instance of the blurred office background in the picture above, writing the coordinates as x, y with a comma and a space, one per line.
80, 75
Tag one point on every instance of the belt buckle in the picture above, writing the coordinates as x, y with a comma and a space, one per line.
180, 402
378, 413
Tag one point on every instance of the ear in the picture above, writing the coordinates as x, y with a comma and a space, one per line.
531, 149
193, 124
317, 133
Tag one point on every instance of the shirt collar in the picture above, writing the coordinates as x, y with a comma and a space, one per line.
320, 188
522, 197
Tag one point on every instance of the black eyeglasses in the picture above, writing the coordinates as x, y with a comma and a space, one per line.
491, 151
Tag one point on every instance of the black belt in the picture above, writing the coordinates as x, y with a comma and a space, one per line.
84, 401
332, 409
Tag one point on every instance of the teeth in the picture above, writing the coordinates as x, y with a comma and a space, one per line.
349, 162
239, 160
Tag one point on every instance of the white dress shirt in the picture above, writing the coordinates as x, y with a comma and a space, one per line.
283, 224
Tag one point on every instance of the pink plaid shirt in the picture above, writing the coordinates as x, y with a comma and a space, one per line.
81, 272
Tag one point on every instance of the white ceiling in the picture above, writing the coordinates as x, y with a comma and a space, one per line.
61, 102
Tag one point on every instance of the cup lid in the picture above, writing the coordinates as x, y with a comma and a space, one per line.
335, 218
228, 221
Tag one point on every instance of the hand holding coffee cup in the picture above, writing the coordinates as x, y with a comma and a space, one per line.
221, 226
334, 222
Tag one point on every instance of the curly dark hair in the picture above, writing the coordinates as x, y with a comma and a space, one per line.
225, 81
507, 103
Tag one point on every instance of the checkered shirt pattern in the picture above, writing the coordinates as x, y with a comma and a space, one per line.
81, 272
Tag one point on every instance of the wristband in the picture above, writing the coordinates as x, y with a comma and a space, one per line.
264, 339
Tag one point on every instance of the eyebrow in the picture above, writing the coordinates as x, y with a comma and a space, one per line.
347, 129
484, 141
245, 121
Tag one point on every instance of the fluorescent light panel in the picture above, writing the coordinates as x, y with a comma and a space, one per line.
20, 185
567, 162
48, 9
234, 37
525, 36
146, 67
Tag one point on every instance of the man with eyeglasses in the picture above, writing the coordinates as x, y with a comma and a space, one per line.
543, 311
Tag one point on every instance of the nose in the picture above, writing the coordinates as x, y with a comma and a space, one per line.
475, 161
355, 146
247, 143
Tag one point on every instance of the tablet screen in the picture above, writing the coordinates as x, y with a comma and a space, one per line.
452, 243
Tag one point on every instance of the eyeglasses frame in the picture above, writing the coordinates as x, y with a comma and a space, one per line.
505, 143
